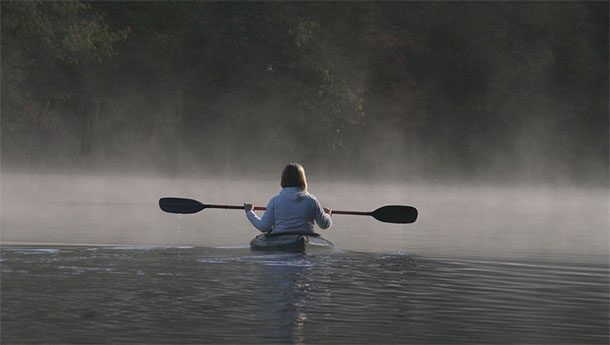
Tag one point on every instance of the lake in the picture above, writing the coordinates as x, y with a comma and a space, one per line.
171, 295
91, 259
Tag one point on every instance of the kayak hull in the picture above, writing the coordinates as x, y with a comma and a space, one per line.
292, 243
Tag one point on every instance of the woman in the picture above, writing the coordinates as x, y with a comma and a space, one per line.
293, 209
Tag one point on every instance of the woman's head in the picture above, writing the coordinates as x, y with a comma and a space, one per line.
294, 176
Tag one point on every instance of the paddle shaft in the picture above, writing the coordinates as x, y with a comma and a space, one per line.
355, 213
262, 208
234, 207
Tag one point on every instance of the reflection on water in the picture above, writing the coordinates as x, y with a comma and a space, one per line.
156, 294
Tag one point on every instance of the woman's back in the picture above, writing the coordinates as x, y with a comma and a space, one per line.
293, 209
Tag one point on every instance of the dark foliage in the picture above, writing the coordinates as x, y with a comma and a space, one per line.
508, 90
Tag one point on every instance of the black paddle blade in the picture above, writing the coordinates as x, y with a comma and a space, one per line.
395, 214
180, 205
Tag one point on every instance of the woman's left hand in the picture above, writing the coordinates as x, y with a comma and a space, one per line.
329, 211
248, 207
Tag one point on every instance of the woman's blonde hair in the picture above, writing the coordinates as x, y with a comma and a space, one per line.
294, 176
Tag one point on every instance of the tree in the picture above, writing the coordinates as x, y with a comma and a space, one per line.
47, 48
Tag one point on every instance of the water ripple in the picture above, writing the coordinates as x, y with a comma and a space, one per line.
232, 295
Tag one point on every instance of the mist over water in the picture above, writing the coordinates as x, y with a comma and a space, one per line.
491, 118
91, 258
566, 223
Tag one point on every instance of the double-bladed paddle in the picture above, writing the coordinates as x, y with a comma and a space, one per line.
389, 214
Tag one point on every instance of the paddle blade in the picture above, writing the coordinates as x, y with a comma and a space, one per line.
180, 205
395, 214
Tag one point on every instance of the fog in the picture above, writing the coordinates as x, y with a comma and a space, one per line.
527, 221
490, 118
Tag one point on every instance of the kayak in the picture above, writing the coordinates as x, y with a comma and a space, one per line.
294, 242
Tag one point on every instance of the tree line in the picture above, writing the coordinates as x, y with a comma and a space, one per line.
439, 89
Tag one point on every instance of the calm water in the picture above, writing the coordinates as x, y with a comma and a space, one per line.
144, 294
482, 264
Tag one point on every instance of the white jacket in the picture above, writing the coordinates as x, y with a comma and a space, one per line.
292, 209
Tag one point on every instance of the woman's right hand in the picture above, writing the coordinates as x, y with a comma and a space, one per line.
248, 207
329, 211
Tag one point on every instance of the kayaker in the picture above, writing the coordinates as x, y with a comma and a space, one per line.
293, 209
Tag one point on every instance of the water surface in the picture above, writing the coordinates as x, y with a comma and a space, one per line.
165, 294
482, 264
